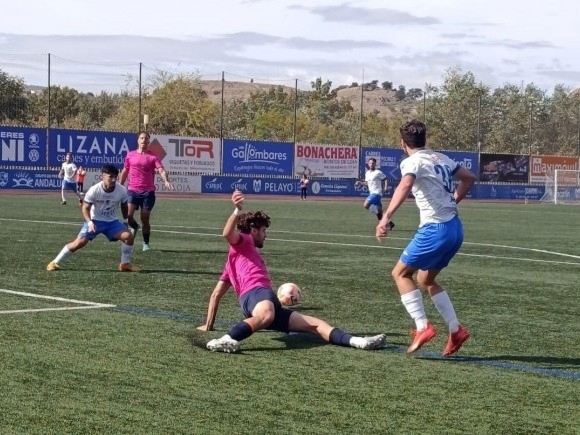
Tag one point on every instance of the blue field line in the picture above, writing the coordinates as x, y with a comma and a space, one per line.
389, 348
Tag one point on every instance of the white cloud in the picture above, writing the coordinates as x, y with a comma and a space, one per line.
95, 46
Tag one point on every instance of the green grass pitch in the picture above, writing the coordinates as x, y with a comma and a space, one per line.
88, 349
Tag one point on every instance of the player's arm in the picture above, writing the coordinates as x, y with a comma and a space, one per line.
399, 196
61, 173
165, 178
125, 210
218, 292
230, 232
124, 175
466, 179
86, 212
361, 183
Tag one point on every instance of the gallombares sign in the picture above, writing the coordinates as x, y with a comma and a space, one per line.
187, 154
21, 146
329, 161
257, 157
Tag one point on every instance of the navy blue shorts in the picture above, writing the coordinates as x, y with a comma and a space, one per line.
249, 300
145, 200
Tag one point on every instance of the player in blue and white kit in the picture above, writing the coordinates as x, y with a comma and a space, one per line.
429, 176
100, 213
68, 173
373, 180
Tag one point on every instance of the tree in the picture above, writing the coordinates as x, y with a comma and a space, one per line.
400, 94
453, 110
387, 86
176, 104
13, 102
415, 93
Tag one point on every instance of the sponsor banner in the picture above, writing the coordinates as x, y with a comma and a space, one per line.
182, 183
542, 165
329, 161
91, 149
491, 191
363, 191
20, 146
465, 159
187, 154
257, 157
504, 168
333, 187
30, 180
251, 185
388, 161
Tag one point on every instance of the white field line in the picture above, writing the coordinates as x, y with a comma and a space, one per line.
354, 245
82, 305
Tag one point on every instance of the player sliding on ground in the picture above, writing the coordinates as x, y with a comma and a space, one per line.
429, 176
246, 271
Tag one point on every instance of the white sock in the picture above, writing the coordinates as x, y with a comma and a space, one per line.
63, 254
358, 342
445, 308
62, 195
373, 209
413, 303
126, 253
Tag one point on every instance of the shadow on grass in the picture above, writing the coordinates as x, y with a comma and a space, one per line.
183, 272
549, 360
537, 362
191, 251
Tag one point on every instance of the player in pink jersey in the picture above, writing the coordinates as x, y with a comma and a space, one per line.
140, 166
246, 271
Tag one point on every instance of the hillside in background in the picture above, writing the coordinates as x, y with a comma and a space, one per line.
380, 100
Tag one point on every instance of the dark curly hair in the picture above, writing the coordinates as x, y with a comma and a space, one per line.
414, 133
252, 219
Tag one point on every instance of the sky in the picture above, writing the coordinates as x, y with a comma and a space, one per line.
96, 46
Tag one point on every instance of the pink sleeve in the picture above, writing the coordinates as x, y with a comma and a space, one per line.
127, 163
158, 163
224, 276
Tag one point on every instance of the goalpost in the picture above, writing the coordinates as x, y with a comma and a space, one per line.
562, 186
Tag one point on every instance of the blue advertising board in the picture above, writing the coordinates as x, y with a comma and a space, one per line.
257, 157
465, 159
268, 186
22, 146
91, 149
29, 180
504, 191
388, 161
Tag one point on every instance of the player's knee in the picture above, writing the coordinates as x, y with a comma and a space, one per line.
265, 319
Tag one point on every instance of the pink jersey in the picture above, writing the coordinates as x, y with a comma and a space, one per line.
245, 269
141, 168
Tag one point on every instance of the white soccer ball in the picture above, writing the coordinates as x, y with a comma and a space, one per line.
289, 294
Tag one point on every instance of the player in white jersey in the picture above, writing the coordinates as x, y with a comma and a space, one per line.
68, 172
100, 213
429, 176
374, 181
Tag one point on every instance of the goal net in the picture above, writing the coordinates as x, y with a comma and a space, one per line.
562, 187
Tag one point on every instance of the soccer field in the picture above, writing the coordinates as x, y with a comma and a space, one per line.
88, 349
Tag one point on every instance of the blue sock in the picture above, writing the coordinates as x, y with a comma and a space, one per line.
340, 337
240, 331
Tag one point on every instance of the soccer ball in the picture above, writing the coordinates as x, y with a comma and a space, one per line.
289, 294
